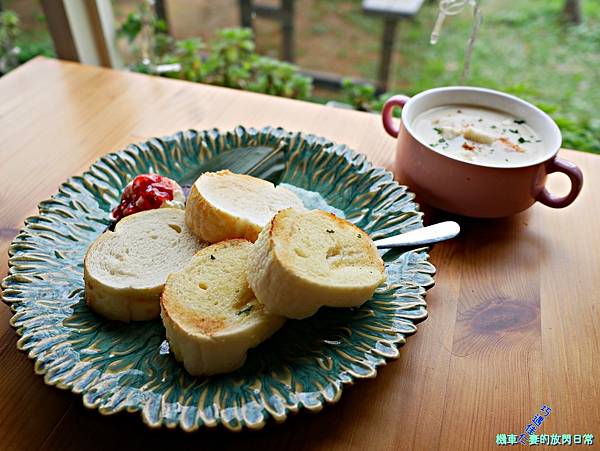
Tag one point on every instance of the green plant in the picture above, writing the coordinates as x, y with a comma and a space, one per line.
229, 60
187, 55
583, 134
30, 49
233, 62
20, 44
363, 96
131, 27
360, 95
274, 77
9, 32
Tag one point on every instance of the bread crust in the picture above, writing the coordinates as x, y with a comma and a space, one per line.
286, 291
125, 303
207, 343
213, 223
120, 304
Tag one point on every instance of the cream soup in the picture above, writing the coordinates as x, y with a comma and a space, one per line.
479, 135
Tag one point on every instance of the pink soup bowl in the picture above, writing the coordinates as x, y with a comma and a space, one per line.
476, 189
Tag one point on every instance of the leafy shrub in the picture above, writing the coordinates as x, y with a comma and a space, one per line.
9, 31
30, 49
363, 96
229, 60
584, 135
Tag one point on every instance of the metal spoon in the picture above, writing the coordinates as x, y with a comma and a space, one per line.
425, 235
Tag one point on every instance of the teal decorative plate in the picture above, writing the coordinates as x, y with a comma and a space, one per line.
128, 367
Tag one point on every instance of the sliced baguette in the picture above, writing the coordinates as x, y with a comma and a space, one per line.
304, 260
125, 270
209, 312
224, 205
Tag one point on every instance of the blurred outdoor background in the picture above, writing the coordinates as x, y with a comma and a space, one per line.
533, 49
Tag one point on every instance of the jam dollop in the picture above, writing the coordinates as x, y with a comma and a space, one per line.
148, 192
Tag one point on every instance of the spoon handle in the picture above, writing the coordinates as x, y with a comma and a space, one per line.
425, 235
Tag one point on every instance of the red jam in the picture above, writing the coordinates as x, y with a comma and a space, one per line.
145, 192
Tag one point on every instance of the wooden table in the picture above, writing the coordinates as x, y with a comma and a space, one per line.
514, 320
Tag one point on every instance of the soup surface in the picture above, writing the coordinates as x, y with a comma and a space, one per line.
479, 135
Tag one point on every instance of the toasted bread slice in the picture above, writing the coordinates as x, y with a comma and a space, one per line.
307, 259
209, 312
223, 205
125, 270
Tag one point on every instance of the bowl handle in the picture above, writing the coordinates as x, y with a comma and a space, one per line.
386, 113
574, 174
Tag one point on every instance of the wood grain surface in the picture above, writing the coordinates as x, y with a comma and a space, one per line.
514, 318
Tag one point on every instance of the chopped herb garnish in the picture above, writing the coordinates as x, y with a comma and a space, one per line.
441, 140
359, 235
479, 120
212, 257
493, 126
438, 130
523, 140
459, 111
519, 121
245, 310
513, 130
538, 140
330, 231
506, 159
